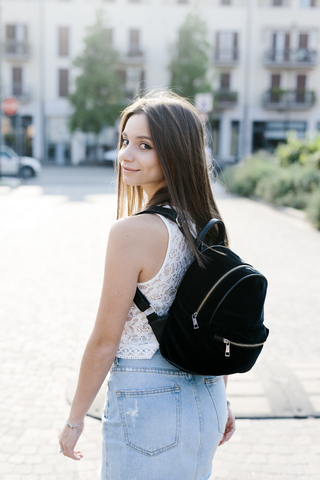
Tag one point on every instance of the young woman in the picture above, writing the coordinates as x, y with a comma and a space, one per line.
158, 421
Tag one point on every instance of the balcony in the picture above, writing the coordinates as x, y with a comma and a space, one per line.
134, 57
14, 50
224, 99
283, 100
289, 58
226, 57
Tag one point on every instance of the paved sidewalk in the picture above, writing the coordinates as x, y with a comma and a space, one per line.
53, 239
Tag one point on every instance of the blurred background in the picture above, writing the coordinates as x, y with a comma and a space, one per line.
67, 70
68, 67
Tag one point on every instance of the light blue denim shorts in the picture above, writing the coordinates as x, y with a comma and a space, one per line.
160, 423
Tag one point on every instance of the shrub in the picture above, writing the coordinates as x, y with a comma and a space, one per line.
276, 186
288, 153
242, 179
313, 209
290, 186
305, 151
296, 186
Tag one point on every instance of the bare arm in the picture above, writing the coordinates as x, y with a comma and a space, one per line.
123, 265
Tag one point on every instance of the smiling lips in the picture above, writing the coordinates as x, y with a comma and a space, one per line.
126, 169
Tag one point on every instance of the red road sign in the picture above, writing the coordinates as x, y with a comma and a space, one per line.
10, 106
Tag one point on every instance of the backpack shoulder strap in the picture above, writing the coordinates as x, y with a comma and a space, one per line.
166, 212
206, 228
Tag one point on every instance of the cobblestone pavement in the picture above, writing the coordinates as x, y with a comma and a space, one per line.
53, 234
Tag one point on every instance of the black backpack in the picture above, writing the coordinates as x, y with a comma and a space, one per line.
215, 324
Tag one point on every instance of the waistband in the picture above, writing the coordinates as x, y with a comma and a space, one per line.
157, 362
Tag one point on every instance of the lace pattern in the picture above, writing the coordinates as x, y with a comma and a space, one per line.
138, 340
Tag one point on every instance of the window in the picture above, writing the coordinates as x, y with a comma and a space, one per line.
225, 81
307, 3
234, 147
17, 89
277, 3
280, 47
215, 129
301, 88
303, 40
268, 135
227, 46
109, 37
134, 43
63, 82
16, 39
63, 41
122, 74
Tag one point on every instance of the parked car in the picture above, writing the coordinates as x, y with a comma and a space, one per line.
13, 164
110, 156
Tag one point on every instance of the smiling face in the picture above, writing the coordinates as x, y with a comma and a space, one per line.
138, 159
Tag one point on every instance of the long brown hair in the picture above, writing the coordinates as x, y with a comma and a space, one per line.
178, 138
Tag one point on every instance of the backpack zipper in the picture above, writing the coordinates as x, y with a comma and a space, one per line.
195, 314
194, 320
230, 342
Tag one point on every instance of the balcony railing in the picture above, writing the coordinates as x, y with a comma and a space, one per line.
226, 56
277, 99
224, 99
136, 57
16, 50
289, 58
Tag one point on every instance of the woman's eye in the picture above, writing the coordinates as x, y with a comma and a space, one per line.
125, 142
145, 146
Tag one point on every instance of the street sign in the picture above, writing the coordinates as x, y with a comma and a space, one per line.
204, 102
10, 106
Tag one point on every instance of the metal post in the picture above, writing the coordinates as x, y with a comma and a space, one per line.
1, 98
245, 137
42, 78
1, 134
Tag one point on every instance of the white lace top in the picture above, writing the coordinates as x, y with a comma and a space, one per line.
138, 340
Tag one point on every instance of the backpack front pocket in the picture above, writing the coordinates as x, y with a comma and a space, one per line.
150, 418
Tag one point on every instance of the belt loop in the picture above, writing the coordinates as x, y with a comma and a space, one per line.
115, 361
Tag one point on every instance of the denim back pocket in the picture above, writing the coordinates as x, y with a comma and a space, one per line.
150, 418
216, 388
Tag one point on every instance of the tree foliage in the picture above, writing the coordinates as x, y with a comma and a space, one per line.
190, 58
98, 91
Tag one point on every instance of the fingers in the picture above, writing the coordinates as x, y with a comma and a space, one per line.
75, 455
67, 440
230, 428
69, 452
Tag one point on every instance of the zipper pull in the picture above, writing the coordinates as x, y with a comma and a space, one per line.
227, 352
194, 320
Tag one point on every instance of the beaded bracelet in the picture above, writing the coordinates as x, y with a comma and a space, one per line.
77, 427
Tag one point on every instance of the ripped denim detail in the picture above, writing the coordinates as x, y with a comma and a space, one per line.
142, 419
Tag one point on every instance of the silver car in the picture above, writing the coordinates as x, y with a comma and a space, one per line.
12, 164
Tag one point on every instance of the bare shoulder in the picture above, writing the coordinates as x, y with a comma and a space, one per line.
137, 225
140, 230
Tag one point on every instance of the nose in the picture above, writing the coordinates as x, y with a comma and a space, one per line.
125, 154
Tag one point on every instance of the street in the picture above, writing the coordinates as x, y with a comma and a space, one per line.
53, 235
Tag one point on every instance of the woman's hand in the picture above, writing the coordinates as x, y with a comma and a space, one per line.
230, 427
68, 439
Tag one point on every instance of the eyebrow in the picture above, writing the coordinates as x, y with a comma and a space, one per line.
138, 136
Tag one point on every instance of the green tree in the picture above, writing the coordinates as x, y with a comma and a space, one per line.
190, 58
98, 91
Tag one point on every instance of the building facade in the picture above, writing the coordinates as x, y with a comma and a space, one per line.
264, 60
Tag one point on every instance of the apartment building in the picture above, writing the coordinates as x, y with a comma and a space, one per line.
264, 60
